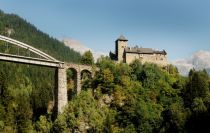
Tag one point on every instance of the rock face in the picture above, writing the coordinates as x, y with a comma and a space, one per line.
198, 60
106, 100
76, 45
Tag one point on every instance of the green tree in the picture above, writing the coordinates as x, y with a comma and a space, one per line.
198, 106
60, 124
196, 87
87, 58
83, 114
174, 118
43, 125
137, 68
106, 62
195, 97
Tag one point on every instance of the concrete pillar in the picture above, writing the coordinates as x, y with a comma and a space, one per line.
78, 81
61, 91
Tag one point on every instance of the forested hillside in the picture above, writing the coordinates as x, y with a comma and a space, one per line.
138, 98
26, 91
19, 29
120, 98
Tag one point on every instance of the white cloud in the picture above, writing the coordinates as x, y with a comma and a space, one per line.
198, 60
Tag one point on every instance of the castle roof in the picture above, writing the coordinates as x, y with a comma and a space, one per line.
121, 38
144, 51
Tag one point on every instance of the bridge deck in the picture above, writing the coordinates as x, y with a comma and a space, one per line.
29, 60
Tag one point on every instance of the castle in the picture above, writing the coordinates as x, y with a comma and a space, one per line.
126, 54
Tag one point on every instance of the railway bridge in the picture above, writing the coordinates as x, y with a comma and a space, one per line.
42, 59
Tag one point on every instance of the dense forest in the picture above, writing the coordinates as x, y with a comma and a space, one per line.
26, 91
120, 97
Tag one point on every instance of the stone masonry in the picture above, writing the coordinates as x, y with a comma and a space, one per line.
126, 54
61, 91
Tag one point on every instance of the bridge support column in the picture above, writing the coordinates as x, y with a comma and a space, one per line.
61, 94
78, 82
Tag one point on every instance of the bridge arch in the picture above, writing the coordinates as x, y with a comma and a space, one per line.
86, 78
43, 60
79, 70
27, 47
47, 60
71, 74
86, 74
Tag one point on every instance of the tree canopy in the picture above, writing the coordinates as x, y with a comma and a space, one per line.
136, 97
87, 58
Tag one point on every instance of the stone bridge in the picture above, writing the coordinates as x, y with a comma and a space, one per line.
61, 98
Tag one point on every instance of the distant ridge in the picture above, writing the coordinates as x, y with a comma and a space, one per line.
81, 48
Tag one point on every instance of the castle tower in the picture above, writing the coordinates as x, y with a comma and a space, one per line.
120, 45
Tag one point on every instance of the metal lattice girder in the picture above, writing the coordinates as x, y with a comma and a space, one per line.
28, 60
46, 59
28, 47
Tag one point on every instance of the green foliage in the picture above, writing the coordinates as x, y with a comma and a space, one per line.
87, 58
196, 87
107, 77
105, 62
43, 125
137, 68
1, 125
25, 90
196, 98
138, 97
174, 118
198, 106
60, 124
82, 114
27, 33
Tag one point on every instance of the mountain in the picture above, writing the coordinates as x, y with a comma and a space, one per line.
198, 60
81, 48
29, 87
17, 28
75, 44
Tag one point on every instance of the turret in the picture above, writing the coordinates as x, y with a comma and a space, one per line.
120, 45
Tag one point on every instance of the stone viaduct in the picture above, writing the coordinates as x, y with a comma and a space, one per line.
61, 98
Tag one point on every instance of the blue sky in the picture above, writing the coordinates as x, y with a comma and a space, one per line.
181, 27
